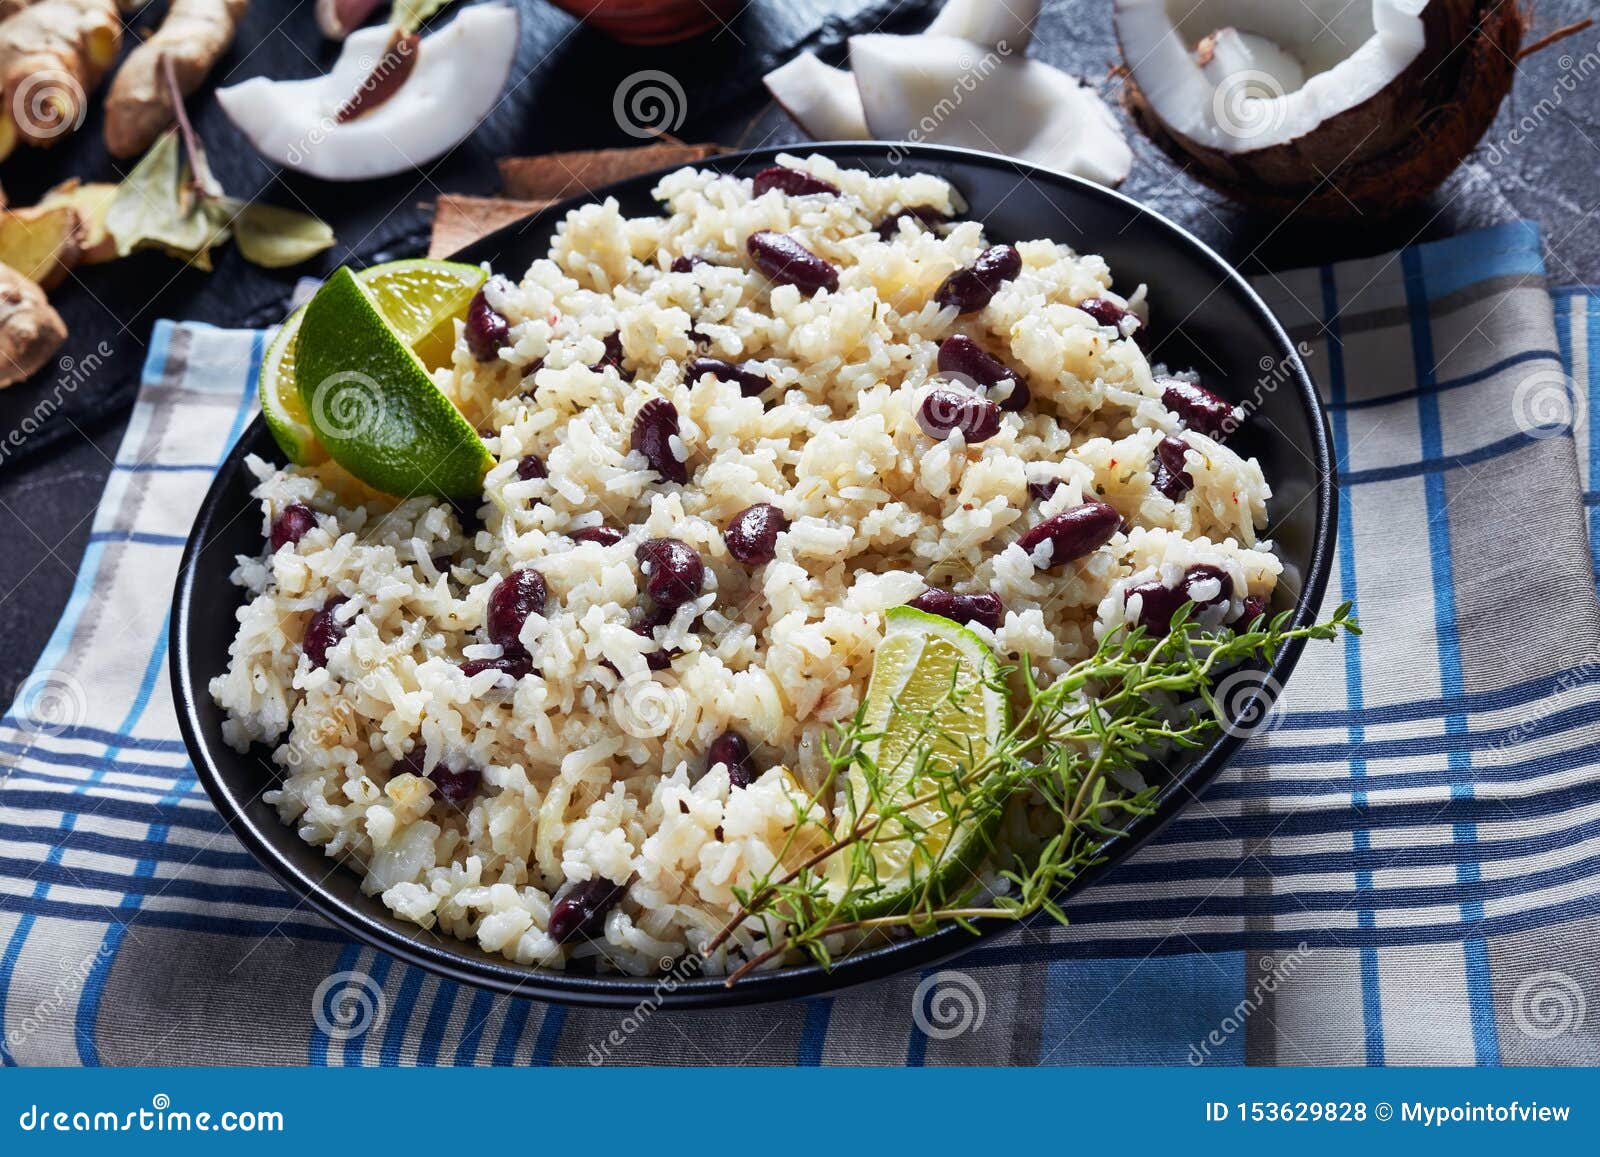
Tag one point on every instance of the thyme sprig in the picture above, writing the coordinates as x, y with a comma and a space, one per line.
1061, 781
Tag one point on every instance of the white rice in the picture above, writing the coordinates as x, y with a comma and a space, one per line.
594, 766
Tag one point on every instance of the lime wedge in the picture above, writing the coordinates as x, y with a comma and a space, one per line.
421, 299
371, 403
934, 704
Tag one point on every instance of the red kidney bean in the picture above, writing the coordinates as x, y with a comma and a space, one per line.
487, 331
1171, 478
515, 663
750, 383
1162, 602
1201, 572
520, 594
927, 215
580, 908
786, 261
673, 571
945, 409
654, 427
794, 182
1198, 407
291, 525
1045, 490
612, 357
531, 466
323, 632
604, 535
981, 608
1254, 607
969, 290
645, 627
732, 750
1073, 533
687, 262
1159, 604
752, 536
1109, 313
455, 784
959, 354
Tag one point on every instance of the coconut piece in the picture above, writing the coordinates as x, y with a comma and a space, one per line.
459, 220
459, 73
1006, 25
556, 176
819, 98
1015, 106
1391, 94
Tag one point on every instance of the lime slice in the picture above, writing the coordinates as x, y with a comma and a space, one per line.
934, 704
372, 404
421, 300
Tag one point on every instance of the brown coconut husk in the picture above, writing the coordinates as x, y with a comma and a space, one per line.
1387, 154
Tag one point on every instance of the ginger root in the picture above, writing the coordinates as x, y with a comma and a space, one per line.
52, 54
42, 243
30, 330
193, 37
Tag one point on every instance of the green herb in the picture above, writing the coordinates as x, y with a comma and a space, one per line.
1055, 777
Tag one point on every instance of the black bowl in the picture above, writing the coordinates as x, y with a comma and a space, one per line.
1205, 316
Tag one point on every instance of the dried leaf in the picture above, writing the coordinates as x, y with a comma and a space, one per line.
459, 220
556, 176
274, 237
410, 15
154, 209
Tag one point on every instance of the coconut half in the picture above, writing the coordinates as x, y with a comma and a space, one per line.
459, 73
1003, 24
950, 91
1328, 107
819, 98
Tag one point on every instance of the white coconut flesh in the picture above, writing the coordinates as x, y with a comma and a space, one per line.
459, 74
1237, 76
819, 98
1003, 24
946, 90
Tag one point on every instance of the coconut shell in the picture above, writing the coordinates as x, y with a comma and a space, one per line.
1387, 154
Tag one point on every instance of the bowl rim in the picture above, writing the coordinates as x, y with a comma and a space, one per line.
796, 981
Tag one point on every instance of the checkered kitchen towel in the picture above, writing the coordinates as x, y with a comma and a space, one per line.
1406, 869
